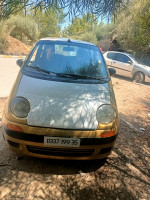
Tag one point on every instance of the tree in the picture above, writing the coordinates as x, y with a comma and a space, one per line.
83, 24
105, 31
22, 25
104, 34
3, 37
133, 27
7, 8
83, 28
49, 21
75, 8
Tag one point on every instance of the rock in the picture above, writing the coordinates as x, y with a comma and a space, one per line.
142, 129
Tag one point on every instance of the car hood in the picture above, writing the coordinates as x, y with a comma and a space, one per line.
62, 104
145, 67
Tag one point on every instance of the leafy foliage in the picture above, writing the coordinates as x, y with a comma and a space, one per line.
88, 29
85, 23
49, 22
20, 27
83, 28
38, 19
105, 31
133, 27
75, 8
3, 37
23, 25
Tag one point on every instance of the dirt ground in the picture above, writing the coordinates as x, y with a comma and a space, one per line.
124, 176
16, 47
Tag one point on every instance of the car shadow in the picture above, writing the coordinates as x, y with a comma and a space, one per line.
129, 79
125, 174
122, 78
18, 162
57, 167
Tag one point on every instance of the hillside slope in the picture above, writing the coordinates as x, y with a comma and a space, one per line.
16, 47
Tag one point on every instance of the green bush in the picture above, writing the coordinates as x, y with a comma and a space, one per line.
88, 37
21, 25
3, 36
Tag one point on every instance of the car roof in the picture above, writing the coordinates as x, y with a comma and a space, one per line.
66, 40
119, 52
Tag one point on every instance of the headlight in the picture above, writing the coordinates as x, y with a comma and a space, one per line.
20, 107
105, 114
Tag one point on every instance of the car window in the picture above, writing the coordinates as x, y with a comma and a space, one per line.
110, 55
122, 58
68, 58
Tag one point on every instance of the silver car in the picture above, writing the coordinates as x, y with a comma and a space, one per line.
126, 65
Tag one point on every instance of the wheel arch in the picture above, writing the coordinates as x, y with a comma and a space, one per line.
136, 72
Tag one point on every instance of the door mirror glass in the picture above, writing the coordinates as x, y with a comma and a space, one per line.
112, 71
130, 62
19, 62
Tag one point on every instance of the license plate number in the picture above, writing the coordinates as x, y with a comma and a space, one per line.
57, 141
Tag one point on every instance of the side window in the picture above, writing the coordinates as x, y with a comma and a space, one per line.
110, 55
122, 58
36, 54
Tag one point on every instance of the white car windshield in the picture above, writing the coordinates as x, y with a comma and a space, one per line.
68, 58
135, 60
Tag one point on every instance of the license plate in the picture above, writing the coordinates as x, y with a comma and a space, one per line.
57, 141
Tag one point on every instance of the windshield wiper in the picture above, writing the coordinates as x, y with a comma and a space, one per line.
43, 71
74, 76
78, 76
64, 75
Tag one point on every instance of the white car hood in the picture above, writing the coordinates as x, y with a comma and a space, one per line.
144, 66
62, 104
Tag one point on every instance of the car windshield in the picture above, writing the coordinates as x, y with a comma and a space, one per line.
68, 58
135, 59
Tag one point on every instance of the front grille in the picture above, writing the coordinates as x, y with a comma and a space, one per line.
60, 151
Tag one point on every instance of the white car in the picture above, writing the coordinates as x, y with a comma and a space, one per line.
126, 65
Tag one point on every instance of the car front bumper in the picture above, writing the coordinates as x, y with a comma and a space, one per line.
31, 143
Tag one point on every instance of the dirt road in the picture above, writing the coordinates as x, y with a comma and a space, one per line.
8, 73
124, 176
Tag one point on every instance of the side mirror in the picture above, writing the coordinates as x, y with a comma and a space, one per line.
130, 62
19, 62
112, 71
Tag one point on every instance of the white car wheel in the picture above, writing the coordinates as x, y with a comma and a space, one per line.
139, 77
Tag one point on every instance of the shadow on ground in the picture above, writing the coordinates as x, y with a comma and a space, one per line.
125, 174
129, 79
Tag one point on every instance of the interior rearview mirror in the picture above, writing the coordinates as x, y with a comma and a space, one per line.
68, 49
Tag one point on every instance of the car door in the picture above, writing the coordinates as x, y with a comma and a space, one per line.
123, 64
109, 58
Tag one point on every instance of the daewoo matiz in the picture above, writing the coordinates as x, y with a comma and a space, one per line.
62, 104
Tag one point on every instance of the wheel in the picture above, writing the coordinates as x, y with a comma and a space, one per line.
139, 77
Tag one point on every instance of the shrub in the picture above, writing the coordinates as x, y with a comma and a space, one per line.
3, 38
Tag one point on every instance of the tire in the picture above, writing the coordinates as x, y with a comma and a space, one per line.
139, 77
